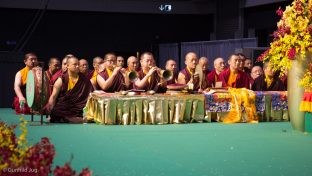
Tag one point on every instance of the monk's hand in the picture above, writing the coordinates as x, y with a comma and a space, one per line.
151, 71
123, 71
22, 99
116, 70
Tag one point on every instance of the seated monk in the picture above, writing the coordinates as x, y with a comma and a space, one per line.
203, 63
149, 78
20, 84
132, 63
120, 61
233, 76
213, 76
70, 95
112, 79
54, 66
171, 65
62, 70
188, 75
256, 71
84, 68
97, 61
269, 81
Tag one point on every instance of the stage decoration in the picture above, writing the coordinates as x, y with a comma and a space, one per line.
291, 53
16, 157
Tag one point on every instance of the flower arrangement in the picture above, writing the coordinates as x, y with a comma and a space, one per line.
17, 157
292, 38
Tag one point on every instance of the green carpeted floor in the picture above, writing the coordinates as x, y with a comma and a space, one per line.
270, 148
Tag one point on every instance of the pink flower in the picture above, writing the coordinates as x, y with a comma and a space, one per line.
291, 53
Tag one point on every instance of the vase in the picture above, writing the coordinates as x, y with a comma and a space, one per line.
295, 91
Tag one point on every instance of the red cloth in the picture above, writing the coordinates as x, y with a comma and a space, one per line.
212, 77
16, 107
242, 79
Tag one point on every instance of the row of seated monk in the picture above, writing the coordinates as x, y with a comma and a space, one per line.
73, 82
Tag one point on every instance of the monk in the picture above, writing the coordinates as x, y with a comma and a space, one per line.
84, 68
112, 79
203, 63
120, 61
256, 71
171, 65
149, 78
248, 65
97, 68
61, 71
70, 94
54, 66
132, 63
20, 85
269, 81
233, 76
188, 75
213, 76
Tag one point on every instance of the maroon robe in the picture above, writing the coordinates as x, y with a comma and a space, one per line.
174, 79
212, 78
187, 75
90, 74
261, 85
153, 84
242, 79
55, 76
69, 104
118, 83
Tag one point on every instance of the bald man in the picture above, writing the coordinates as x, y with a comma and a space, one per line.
84, 68
233, 76
219, 66
187, 75
98, 66
132, 63
120, 61
54, 66
70, 94
203, 62
256, 71
171, 65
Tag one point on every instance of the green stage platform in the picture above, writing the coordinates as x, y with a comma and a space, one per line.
268, 148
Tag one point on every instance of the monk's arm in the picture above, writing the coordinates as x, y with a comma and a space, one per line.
17, 87
93, 84
105, 84
141, 83
181, 79
56, 90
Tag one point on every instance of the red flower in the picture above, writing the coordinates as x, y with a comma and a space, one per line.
260, 58
279, 12
291, 53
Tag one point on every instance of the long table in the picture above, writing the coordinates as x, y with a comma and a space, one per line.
145, 109
114, 108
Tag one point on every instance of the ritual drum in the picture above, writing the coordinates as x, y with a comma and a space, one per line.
37, 94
